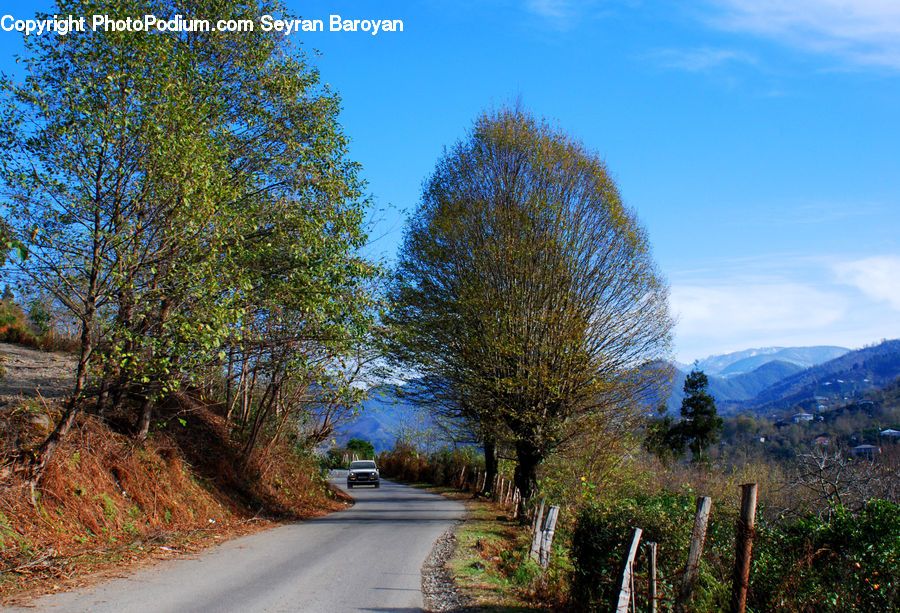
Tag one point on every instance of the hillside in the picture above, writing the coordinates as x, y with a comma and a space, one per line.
831, 383
384, 416
731, 390
747, 385
105, 499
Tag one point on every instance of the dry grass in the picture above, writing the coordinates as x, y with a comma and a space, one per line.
105, 500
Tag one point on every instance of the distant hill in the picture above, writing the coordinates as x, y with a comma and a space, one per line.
748, 360
745, 386
380, 420
832, 383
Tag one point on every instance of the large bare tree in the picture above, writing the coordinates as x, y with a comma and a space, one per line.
527, 288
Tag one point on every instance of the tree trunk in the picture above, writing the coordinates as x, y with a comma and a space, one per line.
44, 453
490, 460
265, 408
146, 413
528, 457
228, 386
102, 396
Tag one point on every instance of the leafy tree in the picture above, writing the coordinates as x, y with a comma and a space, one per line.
700, 425
662, 438
364, 449
188, 200
525, 293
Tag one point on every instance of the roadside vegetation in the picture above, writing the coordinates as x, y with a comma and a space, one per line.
528, 307
180, 213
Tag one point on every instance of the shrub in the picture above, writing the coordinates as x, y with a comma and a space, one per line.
847, 563
603, 533
442, 467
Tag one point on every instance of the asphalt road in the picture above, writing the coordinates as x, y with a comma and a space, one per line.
366, 558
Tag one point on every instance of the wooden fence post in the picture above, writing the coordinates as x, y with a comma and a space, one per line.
537, 528
652, 577
547, 535
743, 547
628, 574
692, 570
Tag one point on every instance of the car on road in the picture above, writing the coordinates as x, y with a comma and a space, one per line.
363, 472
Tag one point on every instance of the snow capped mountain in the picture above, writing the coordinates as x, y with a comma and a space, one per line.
748, 360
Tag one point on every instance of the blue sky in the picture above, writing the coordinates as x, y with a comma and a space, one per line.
758, 140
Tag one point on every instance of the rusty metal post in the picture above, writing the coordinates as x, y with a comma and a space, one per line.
743, 548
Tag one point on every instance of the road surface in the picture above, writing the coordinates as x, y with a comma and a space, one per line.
366, 558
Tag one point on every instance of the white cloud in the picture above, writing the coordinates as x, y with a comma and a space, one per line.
877, 277
551, 9
733, 311
701, 59
862, 32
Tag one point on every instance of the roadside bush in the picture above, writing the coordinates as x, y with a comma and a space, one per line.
602, 535
848, 563
441, 468
402, 462
16, 328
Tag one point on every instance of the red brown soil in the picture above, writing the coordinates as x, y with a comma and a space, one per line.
106, 502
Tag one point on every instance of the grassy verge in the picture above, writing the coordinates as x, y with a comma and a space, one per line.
490, 562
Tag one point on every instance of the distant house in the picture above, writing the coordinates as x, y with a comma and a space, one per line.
821, 440
865, 451
760, 439
821, 408
890, 433
802, 416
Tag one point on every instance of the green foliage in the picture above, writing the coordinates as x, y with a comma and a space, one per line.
700, 425
442, 467
602, 536
603, 533
189, 202
847, 563
110, 509
362, 448
662, 438
39, 316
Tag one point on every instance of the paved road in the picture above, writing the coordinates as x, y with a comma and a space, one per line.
366, 558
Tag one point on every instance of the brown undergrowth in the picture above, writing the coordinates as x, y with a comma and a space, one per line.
106, 500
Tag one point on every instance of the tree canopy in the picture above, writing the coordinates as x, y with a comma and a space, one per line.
187, 199
526, 295
699, 427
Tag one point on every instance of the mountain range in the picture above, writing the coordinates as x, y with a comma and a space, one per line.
748, 360
765, 381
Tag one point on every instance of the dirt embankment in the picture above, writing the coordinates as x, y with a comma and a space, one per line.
108, 500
